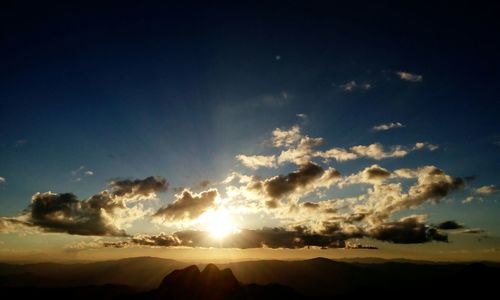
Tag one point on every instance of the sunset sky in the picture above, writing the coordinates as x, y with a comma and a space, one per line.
249, 131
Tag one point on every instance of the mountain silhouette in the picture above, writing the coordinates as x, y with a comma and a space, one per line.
318, 278
211, 284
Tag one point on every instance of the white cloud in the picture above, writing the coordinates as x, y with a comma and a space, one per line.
2, 179
424, 145
407, 76
487, 189
387, 126
468, 200
257, 161
283, 138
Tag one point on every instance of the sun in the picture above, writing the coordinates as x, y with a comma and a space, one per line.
219, 223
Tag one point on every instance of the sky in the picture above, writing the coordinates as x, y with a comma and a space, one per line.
249, 131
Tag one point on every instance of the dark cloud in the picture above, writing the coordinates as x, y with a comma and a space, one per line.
473, 231
244, 239
100, 215
376, 173
449, 225
279, 186
310, 205
65, 213
188, 205
410, 230
204, 183
142, 187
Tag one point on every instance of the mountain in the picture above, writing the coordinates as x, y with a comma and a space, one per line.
213, 284
317, 278
139, 273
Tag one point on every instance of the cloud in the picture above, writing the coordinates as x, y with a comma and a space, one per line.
204, 183
277, 237
487, 190
383, 198
306, 179
302, 116
257, 161
449, 225
188, 205
281, 185
302, 153
80, 172
423, 145
408, 230
354, 246
299, 149
469, 199
387, 126
53, 212
2, 179
353, 85
473, 231
15, 225
285, 138
373, 174
407, 76
143, 188
103, 214
374, 151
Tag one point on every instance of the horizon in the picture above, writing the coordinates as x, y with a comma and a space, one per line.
198, 132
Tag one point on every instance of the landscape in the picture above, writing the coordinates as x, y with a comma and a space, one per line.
249, 150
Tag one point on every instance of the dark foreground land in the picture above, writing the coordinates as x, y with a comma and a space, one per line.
319, 278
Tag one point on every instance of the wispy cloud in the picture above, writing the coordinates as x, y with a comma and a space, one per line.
387, 126
352, 85
257, 161
407, 76
81, 172
487, 190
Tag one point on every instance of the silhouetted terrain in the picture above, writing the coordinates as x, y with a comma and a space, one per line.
154, 278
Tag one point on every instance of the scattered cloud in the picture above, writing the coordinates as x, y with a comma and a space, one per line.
487, 190
300, 149
302, 116
449, 225
81, 172
469, 199
424, 145
188, 205
2, 179
407, 76
387, 126
352, 85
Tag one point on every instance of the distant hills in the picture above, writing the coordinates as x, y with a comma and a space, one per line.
155, 278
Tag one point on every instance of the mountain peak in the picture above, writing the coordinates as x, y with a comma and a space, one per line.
190, 283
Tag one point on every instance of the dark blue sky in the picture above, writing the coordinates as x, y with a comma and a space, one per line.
130, 89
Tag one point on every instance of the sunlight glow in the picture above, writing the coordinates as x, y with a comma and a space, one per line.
219, 223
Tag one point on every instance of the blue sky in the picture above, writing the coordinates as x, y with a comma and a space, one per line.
129, 91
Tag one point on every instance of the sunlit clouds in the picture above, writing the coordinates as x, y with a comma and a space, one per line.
237, 210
